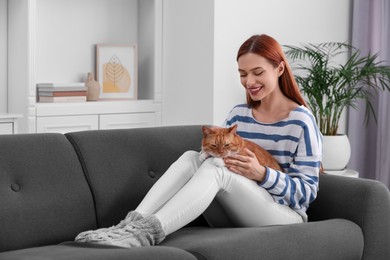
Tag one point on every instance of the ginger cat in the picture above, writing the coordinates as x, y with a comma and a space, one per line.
222, 142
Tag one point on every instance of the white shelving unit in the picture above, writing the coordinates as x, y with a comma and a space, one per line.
69, 117
55, 41
8, 123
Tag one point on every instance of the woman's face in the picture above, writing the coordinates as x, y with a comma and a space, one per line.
258, 76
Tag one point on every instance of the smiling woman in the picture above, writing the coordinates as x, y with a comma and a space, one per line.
270, 58
257, 74
275, 119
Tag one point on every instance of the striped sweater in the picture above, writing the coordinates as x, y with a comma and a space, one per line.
296, 144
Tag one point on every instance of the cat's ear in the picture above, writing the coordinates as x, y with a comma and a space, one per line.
206, 130
233, 129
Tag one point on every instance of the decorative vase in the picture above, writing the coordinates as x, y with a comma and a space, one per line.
336, 152
93, 88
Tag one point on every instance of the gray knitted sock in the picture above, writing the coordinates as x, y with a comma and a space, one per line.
145, 232
133, 216
87, 236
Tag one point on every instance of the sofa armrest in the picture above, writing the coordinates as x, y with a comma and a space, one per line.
365, 202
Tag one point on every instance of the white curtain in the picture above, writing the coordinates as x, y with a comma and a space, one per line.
371, 145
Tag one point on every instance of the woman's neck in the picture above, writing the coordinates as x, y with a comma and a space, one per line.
274, 108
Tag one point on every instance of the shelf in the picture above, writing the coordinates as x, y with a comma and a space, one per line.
6, 116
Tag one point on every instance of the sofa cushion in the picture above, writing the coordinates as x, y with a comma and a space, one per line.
330, 239
122, 165
365, 202
76, 251
45, 198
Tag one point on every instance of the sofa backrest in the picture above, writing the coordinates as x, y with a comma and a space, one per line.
44, 197
122, 165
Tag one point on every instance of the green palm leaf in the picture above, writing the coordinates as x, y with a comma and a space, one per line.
330, 87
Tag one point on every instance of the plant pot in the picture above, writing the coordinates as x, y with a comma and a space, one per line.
336, 152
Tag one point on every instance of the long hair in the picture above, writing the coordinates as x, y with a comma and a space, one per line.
270, 49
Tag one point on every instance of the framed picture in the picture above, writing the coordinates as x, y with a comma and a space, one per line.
116, 70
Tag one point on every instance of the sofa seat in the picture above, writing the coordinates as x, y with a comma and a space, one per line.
330, 239
75, 251
336, 239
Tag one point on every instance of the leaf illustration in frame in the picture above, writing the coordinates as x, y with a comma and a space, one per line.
114, 70
116, 67
116, 78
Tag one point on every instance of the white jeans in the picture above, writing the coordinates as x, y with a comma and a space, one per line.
188, 188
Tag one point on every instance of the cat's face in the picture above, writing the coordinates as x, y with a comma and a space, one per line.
220, 142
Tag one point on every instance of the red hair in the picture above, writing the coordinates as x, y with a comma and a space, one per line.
270, 49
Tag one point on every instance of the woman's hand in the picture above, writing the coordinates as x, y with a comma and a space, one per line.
247, 166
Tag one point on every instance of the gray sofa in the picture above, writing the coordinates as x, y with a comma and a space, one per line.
53, 186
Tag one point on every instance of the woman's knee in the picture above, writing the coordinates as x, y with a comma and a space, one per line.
191, 154
188, 163
212, 170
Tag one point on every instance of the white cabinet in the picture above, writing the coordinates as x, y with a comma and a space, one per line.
120, 121
74, 123
6, 128
9, 124
64, 124
55, 41
70, 117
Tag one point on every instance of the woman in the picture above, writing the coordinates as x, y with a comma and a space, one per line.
275, 117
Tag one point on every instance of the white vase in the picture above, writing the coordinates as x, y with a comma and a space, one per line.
336, 152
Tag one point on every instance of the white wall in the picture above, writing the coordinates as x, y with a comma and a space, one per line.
18, 57
289, 22
65, 46
3, 55
188, 34
201, 39
146, 49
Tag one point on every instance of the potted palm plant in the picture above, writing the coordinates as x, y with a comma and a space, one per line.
330, 87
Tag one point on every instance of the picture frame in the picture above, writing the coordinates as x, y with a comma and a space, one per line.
116, 71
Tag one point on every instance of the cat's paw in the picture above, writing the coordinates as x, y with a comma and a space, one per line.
218, 162
203, 156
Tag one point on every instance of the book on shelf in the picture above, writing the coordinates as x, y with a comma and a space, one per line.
43, 99
55, 85
61, 93
78, 86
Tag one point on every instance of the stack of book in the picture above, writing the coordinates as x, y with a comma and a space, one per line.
61, 92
